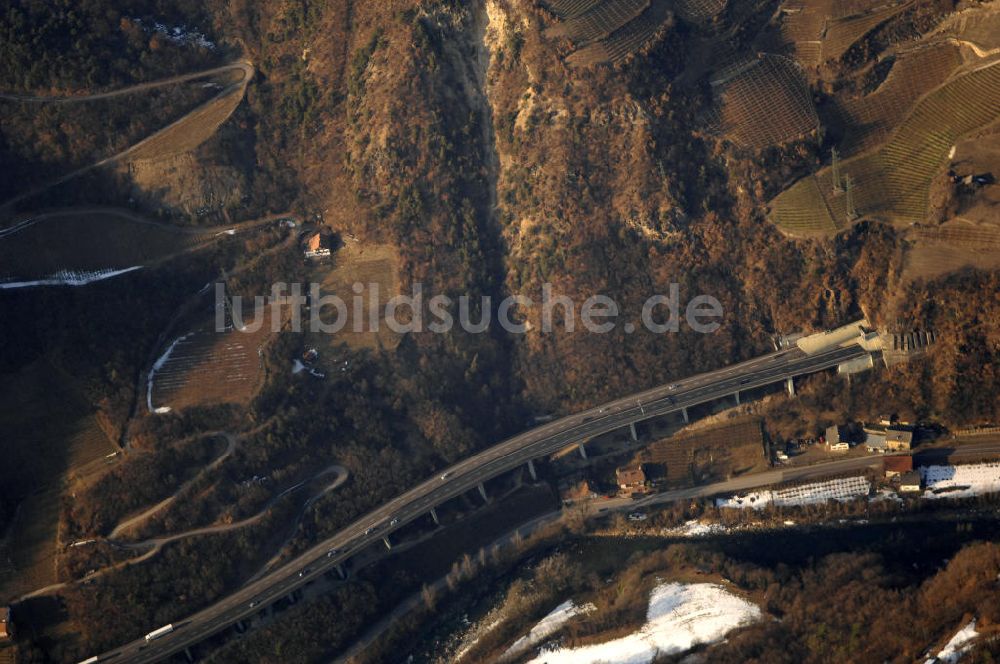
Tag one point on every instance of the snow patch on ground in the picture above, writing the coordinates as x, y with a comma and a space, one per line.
679, 617
177, 34
548, 626
696, 528
70, 278
843, 489
963, 481
959, 644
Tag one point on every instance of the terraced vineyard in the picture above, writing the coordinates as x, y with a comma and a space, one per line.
841, 34
871, 118
801, 29
600, 21
208, 367
700, 11
939, 250
768, 103
892, 184
571, 8
824, 30
627, 40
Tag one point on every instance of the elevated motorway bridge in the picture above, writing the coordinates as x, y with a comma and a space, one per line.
775, 368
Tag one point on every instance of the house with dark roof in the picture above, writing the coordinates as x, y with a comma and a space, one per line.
631, 478
894, 466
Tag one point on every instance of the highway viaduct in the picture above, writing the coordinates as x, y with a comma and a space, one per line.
780, 367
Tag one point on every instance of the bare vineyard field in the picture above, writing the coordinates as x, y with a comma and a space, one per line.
600, 21
939, 250
893, 183
625, 41
207, 367
767, 104
706, 455
87, 241
801, 29
841, 34
51, 439
700, 11
823, 30
189, 132
571, 8
872, 118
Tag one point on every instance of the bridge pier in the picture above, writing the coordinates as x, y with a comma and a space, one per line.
790, 386
531, 470
684, 413
188, 655
388, 544
434, 515
482, 492
737, 397
583, 450
631, 428
341, 571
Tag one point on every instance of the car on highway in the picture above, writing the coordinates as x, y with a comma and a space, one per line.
394, 522
370, 530
445, 476
253, 604
304, 572
744, 381
332, 552
674, 386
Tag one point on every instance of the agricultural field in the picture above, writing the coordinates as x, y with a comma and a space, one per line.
893, 183
44, 457
765, 103
869, 120
627, 40
712, 454
87, 241
190, 131
824, 30
600, 20
566, 9
374, 265
840, 34
208, 367
699, 11
939, 250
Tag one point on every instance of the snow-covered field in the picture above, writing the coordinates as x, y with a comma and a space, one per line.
680, 616
69, 278
958, 645
548, 626
844, 489
961, 481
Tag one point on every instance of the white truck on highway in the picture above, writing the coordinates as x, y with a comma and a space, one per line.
157, 633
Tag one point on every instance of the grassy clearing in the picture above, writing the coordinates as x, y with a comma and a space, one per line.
893, 184
87, 241
51, 437
367, 265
